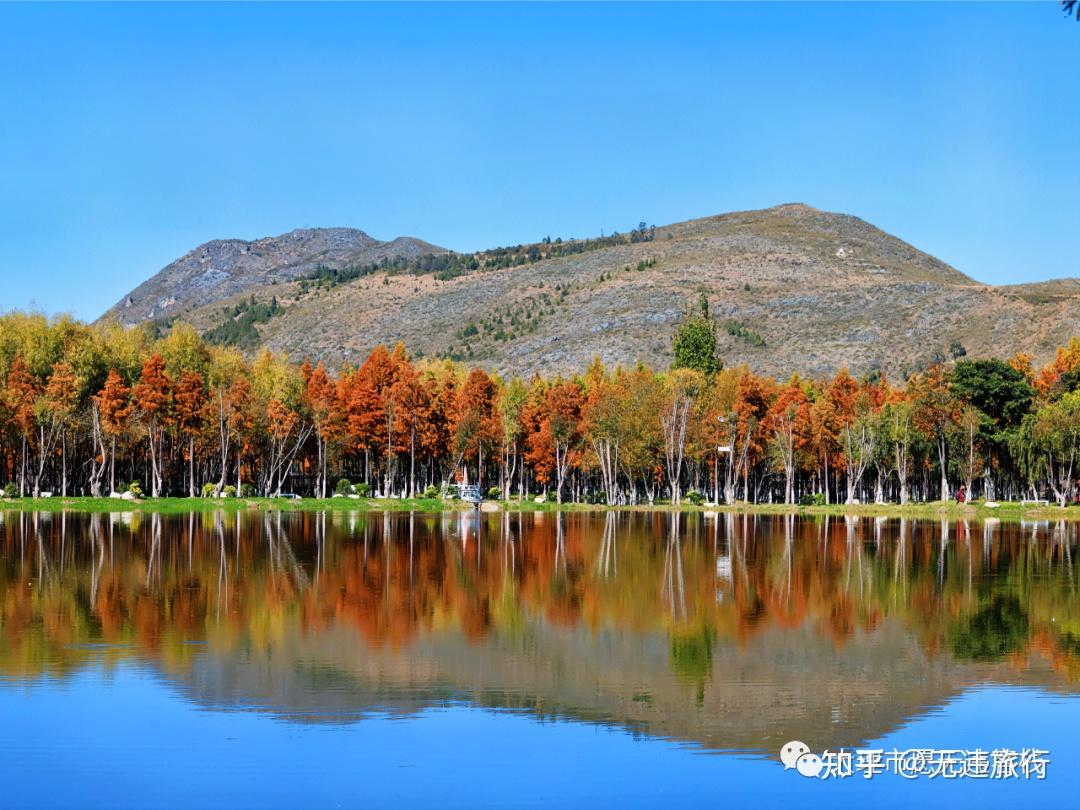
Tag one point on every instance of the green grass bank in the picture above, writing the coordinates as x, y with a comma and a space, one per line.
927, 511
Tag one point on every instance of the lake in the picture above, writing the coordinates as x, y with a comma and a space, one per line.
356, 659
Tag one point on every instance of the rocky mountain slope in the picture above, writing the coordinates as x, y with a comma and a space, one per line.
790, 288
225, 267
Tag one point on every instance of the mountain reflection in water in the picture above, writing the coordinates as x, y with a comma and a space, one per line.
729, 632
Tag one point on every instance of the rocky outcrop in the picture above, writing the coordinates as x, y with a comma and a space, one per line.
223, 268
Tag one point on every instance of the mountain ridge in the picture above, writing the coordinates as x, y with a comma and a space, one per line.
219, 268
791, 288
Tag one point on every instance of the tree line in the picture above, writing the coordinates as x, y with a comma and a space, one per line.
446, 265
93, 409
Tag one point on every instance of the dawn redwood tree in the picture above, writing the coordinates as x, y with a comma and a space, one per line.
752, 397
287, 434
682, 386
539, 449
510, 407
412, 408
99, 456
823, 443
279, 408
225, 373
56, 410
368, 412
716, 413
602, 425
782, 422
857, 428
22, 394
320, 399
240, 426
477, 425
936, 411
153, 400
898, 433
190, 406
859, 439
562, 423
437, 436
1060, 374
113, 404
362, 409
642, 444
969, 423
389, 392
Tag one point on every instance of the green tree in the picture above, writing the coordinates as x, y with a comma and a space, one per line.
1047, 444
995, 388
694, 345
1001, 394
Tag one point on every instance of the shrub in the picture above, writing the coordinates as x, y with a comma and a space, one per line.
695, 497
743, 331
815, 499
246, 490
11, 491
432, 491
230, 491
362, 489
495, 493
343, 487
208, 489
135, 489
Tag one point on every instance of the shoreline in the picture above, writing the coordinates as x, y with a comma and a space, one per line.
927, 511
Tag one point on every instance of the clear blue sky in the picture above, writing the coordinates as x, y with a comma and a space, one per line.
130, 134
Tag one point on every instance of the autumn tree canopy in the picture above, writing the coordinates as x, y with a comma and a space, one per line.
89, 408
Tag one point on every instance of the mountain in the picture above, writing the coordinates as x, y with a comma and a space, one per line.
225, 267
774, 687
791, 288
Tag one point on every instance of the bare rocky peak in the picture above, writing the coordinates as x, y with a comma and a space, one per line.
222, 268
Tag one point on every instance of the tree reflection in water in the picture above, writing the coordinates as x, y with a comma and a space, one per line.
724, 629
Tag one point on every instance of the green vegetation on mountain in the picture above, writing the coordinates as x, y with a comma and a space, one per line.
238, 328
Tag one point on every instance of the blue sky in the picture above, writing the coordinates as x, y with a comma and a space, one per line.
129, 134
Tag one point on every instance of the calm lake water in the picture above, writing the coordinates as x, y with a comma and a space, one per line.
584, 659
